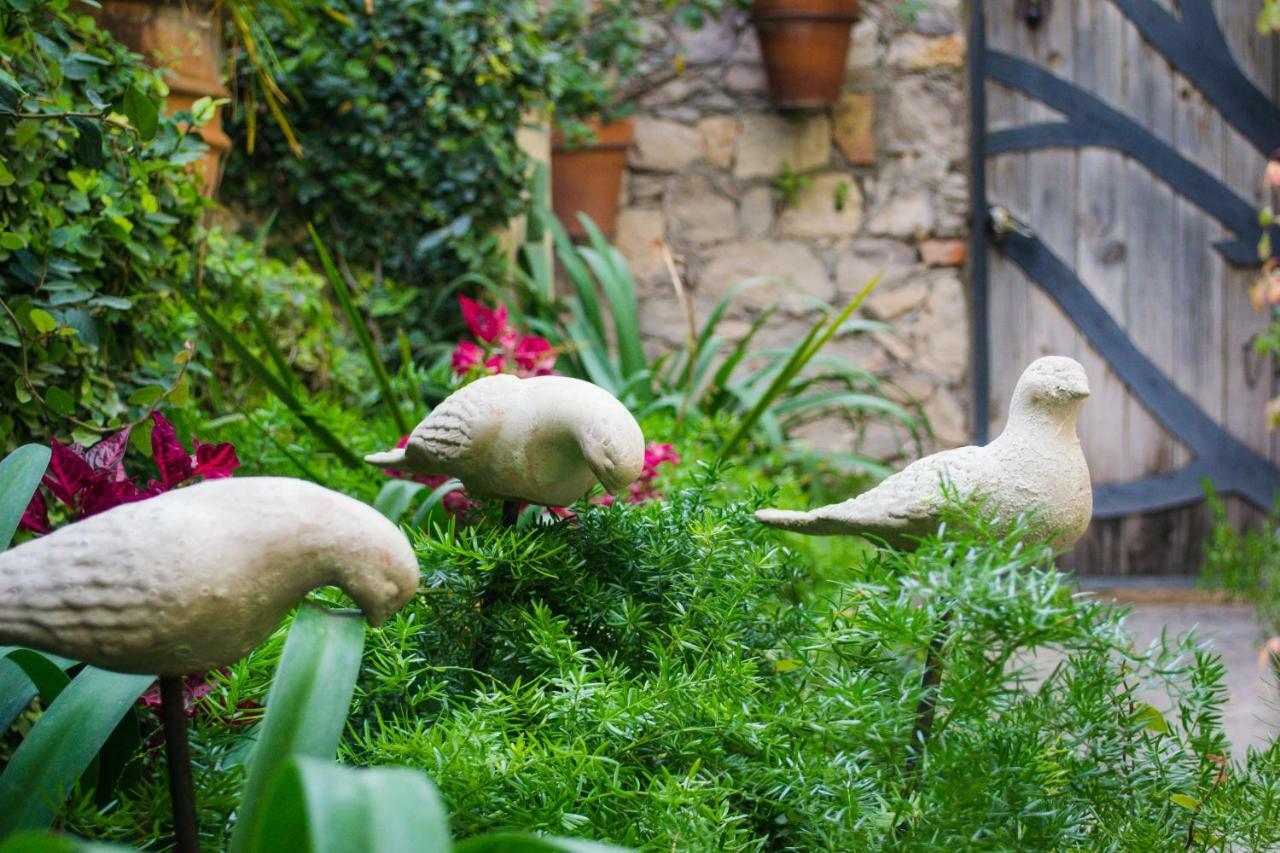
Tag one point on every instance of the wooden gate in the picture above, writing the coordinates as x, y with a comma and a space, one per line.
1119, 148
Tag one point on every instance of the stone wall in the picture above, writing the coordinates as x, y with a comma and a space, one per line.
887, 193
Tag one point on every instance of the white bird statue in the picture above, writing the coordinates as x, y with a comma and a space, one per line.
542, 440
1035, 465
196, 578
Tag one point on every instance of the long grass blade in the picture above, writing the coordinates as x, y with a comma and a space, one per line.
20, 474
356, 321
815, 340
316, 806
62, 744
273, 384
306, 705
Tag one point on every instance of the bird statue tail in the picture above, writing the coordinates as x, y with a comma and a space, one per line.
813, 523
393, 459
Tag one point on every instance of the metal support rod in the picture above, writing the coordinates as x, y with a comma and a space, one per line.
177, 750
510, 513
927, 707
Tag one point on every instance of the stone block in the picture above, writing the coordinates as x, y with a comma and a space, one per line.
755, 212
853, 120
915, 52
943, 253
710, 43
907, 215
745, 79
663, 145
864, 52
698, 214
638, 237
927, 115
767, 140
831, 206
940, 332
889, 301
719, 135
947, 419
797, 271
866, 258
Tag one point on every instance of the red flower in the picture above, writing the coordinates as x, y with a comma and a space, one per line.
91, 481
501, 348
487, 324
535, 356
466, 355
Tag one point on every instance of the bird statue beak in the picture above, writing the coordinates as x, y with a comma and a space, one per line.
1079, 392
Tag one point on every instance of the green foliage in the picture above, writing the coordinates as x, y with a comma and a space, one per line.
660, 674
769, 393
788, 184
407, 118
1245, 563
305, 711
97, 220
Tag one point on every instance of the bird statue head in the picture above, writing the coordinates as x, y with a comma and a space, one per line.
373, 564
1054, 385
614, 451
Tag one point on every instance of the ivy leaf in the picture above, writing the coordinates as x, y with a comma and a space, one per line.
42, 321
59, 400
142, 113
10, 92
25, 131
88, 148
146, 395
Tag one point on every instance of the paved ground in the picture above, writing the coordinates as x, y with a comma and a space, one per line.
1252, 713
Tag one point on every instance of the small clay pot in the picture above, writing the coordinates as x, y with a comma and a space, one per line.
185, 38
804, 43
588, 178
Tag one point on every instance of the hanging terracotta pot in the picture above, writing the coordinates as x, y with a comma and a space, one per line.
185, 38
588, 178
804, 43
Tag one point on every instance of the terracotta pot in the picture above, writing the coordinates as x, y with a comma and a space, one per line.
588, 178
185, 38
804, 43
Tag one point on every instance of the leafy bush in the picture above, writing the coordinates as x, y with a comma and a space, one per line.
407, 117
97, 222
657, 673
1245, 563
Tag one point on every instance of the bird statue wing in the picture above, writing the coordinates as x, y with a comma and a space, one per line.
450, 429
903, 506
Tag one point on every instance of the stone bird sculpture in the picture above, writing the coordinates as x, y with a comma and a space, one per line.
1036, 464
542, 440
196, 578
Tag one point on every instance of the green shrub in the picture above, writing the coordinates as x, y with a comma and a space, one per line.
1245, 563
657, 675
97, 222
407, 118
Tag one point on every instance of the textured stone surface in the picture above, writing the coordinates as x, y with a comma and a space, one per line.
815, 213
947, 419
891, 300
853, 126
1035, 465
698, 213
899, 134
768, 141
719, 135
756, 211
797, 269
943, 253
925, 114
638, 236
543, 440
664, 146
915, 52
907, 215
196, 578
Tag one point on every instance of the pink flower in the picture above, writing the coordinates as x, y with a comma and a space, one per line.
1273, 169
487, 324
91, 481
501, 348
534, 356
466, 355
